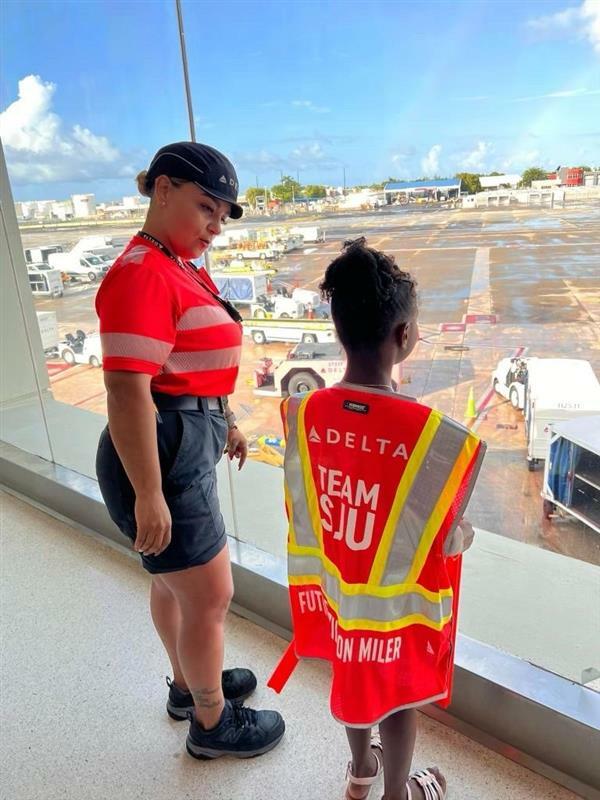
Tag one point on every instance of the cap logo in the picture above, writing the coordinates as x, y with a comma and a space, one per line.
222, 179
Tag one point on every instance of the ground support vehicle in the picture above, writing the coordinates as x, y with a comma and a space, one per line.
275, 306
307, 367
572, 471
81, 348
310, 331
241, 289
509, 380
45, 281
48, 325
556, 390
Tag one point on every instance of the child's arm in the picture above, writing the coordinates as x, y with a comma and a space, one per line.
460, 539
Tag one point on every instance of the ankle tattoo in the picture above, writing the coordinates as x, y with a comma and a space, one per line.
205, 698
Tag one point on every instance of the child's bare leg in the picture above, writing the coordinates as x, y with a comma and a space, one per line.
364, 764
398, 733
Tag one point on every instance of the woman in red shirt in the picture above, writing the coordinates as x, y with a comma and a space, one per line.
171, 353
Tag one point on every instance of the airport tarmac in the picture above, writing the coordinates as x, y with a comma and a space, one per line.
492, 283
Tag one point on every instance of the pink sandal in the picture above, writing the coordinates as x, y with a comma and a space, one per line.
426, 779
367, 782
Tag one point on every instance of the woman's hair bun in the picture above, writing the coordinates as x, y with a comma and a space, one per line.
142, 184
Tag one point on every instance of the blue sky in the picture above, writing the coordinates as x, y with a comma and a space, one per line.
89, 90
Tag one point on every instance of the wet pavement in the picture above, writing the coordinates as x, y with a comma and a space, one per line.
537, 270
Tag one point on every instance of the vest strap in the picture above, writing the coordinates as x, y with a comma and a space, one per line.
283, 670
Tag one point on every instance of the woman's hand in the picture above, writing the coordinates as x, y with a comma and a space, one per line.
237, 446
153, 521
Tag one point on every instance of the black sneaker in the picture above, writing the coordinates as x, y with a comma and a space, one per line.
242, 732
238, 684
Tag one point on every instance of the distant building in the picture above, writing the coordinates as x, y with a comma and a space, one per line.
546, 183
135, 201
498, 181
84, 205
62, 210
438, 188
568, 176
35, 209
592, 178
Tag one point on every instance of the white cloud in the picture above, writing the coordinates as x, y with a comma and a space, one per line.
582, 21
307, 155
431, 163
521, 159
591, 12
563, 93
40, 150
477, 159
310, 106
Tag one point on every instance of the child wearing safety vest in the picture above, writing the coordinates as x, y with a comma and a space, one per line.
376, 485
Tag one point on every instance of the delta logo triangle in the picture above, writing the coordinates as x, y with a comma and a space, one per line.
313, 436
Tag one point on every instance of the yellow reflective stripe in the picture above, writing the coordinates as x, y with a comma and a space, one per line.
305, 462
410, 472
289, 506
290, 513
359, 588
369, 624
442, 506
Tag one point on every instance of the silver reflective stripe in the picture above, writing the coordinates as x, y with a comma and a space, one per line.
203, 360
133, 345
426, 489
135, 256
203, 317
368, 606
304, 534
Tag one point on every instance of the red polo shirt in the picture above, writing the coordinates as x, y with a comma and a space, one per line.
157, 319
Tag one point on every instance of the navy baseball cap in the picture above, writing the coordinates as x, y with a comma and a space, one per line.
202, 165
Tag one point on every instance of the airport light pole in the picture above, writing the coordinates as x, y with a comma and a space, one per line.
186, 76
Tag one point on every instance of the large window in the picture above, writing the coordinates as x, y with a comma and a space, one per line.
437, 138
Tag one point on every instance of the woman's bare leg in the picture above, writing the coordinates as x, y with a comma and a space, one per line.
166, 616
203, 594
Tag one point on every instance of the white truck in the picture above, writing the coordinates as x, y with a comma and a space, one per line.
556, 389
309, 331
288, 243
572, 471
307, 367
78, 266
241, 289
89, 244
229, 237
310, 233
35, 255
277, 307
48, 325
44, 280
264, 253
81, 348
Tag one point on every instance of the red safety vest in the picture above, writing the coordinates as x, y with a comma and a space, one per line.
374, 484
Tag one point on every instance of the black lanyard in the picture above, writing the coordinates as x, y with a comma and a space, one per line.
192, 272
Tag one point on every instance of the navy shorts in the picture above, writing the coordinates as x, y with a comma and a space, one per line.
190, 444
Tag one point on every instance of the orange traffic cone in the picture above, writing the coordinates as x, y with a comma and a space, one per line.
471, 412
